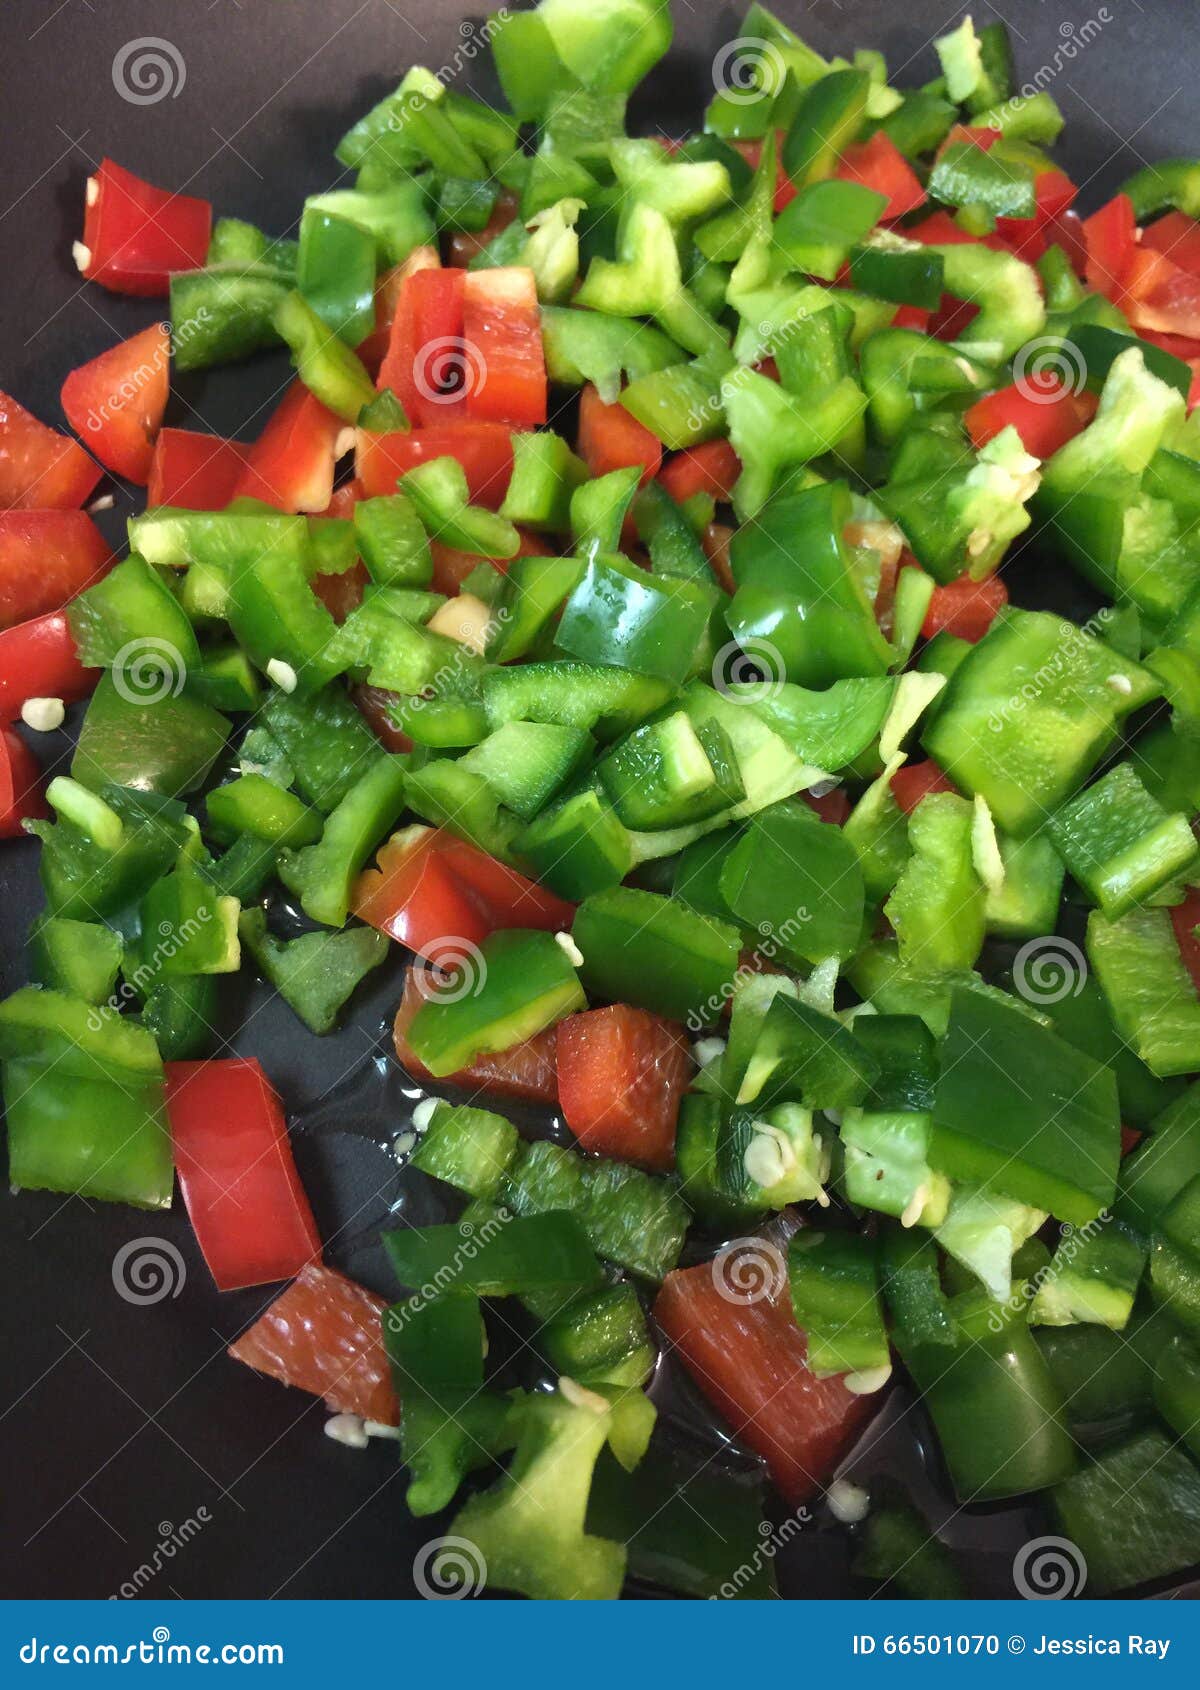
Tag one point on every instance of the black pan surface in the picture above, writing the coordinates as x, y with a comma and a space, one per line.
137, 1458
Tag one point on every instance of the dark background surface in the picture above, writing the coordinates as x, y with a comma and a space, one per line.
119, 1424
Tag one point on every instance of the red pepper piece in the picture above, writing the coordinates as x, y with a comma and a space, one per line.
135, 235
1177, 237
193, 471
40, 469
964, 608
483, 449
116, 401
46, 558
1160, 295
621, 1074
340, 594
713, 468
323, 1335
1044, 410
526, 1070
832, 807
1110, 235
879, 164
291, 463
916, 781
504, 366
38, 659
21, 794
748, 1357
376, 703
244, 1198
1185, 918
424, 364
611, 438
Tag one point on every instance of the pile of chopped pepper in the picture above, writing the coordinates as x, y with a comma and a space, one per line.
607, 638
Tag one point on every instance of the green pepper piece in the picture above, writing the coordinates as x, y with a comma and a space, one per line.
78, 958
279, 619
323, 874
805, 1056
598, 511
1027, 744
525, 1253
84, 1040
660, 775
257, 806
526, 763
998, 1415
446, 794
620, 616
797, 879
438, 489
164, 742
89, 1136
225, 679
1171, 184
901, 1555
316, 973
938, 905
577, 846
328, 368
468, 1148
391, 541
646, 281
545, 474
1134, 1513
1155, 1173
912, 1284
1106, 1378
1081, 1016
601, 1339
87, 878
409, 126
1150, 995
797, 598
325, 740
225, 313
966, 175
638, 947
903, 271
835, 1298
831, 115
132, 623
1050, 1135
335, 273
583, 346
187, 927
394, 214
522, 982
1093, 1277
818, 229
1177, 1390
237, 242
1119, 842
1175, 1258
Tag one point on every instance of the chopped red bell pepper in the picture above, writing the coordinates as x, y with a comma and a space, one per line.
504, 365
135, 235
526, 1070
1185, 918
912, 317
1110, 235
965, 608
952, 317
244, 1198
38, 659
621, 1074
344, 498
429, 890
915, 781
21, 793
193, 471
832, 807
484, 450
376, 704
340, 594
978, 135
1177, 237
389, 288
116, 401
1130, 1139
748, 1357
323, 1335
451, 567
879, 164
1029, 237
713, 468
939, 229
40, 469
465, 244
1066, 230
1158, 294
46, 558
1045, 411
611, 438
291, 463
424, 365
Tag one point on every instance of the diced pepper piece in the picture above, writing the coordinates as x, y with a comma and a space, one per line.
834, 1288
1134, 1513
239, 1182
504, 367
639, 947
166, 745
878, 164
136, 235
323, 1335
1045, 411
1050, 1136
39, 659
468, 1148
46, 558
290, 465
116, 401
611, 439
484, 450
316, 973
1149, 993
621, 1074
195, 472
40, 469
748, 1356
526, 1070
1119, 842
528, 1253
324, 874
